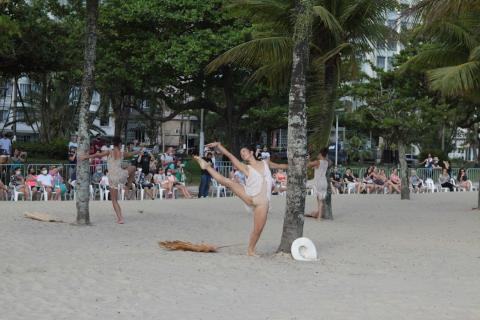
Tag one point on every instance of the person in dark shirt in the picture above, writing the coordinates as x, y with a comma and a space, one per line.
336, 181
143, 161
205, 178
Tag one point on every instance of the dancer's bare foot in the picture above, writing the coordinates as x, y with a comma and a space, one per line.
314, 214
120, 221
203, 164
251, 253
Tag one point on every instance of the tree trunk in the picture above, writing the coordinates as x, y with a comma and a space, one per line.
328, 211
297, 128
405, 191
83, 174
327, 118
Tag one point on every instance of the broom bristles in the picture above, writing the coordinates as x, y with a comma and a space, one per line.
187, 246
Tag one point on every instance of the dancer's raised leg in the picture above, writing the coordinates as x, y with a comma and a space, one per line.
236, 188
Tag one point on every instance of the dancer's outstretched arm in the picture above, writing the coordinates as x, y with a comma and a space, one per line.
275, 165
95, 155
127, 154
312, 164
237, 163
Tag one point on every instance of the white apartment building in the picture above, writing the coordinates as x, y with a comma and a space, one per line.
181, 132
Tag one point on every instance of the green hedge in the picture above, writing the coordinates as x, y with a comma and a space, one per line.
55, 150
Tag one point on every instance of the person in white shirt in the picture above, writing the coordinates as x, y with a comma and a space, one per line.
5, 145
265, 155
73, 142
46, 180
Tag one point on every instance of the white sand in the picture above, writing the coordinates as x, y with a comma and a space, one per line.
379, 259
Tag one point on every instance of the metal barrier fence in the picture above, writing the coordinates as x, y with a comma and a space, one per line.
223, 167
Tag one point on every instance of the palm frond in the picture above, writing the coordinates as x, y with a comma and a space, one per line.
456, 80
329, 21
255, 53
276, 75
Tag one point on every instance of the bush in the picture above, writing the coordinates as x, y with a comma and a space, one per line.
55, 150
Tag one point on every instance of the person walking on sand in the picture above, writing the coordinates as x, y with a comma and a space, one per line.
321, 184
257, 190
117, 176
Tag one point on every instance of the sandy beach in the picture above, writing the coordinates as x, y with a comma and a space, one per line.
381, 258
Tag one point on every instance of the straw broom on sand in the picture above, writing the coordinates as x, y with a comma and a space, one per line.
188, 246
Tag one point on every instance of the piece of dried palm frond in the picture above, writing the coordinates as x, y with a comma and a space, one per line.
187, 246
44, 217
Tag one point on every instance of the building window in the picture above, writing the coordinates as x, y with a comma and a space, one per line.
389, 63
3, 115
381, 62
392, 45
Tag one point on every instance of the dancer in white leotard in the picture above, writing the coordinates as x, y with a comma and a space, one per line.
116, 174
321, 184
257, 190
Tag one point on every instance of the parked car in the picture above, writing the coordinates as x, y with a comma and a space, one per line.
412, 160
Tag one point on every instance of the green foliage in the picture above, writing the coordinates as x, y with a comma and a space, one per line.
56, 150
451, 49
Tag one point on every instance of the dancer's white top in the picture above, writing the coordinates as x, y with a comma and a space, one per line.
256, 181
320, 179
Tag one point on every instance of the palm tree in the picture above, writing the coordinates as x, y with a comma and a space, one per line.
451, 54
83, 173
342, 31
297, 126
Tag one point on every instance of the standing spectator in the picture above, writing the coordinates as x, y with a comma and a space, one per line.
72, 155
143, 161
5, 145
205, 178
73, 142
19, 157
429, 165
265, 155
45, 180
97, 144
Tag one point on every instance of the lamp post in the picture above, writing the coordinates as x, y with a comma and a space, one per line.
336, 134
202, 135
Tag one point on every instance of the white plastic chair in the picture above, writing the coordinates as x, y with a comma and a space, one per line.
104, 192
16, 194
161, 191
43, 193
430, 185
218, 188
472, 187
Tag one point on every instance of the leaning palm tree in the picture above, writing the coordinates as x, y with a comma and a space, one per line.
451, 53
342, 31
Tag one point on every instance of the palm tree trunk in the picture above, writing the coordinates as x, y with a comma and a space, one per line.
297, 128
405, 191
83, 174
